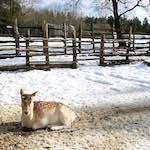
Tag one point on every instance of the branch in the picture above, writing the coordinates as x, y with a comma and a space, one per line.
144, 6
147, 11
122, 2
136, 5
102, 6
77, 1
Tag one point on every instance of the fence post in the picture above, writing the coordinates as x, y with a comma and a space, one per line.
129, 45
80, 37
74, 47
17, 36
113, 42
92, 30
65, 38
133, 39
45, 42
101, 53
27, 48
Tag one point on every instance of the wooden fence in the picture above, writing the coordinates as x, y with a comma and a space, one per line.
30, 50
105, 45
100, 45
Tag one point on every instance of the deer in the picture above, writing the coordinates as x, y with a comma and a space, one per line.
43, 114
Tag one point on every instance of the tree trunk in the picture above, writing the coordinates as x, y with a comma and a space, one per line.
117, 22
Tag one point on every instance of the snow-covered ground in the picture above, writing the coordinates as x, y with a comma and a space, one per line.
112, 102
89, 86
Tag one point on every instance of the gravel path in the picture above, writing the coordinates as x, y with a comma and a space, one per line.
95, 129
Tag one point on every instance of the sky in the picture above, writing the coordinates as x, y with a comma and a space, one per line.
87, 8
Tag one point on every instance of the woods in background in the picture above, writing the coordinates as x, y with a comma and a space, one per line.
8, 9
29, 16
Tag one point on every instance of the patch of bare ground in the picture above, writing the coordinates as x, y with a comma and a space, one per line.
95, 129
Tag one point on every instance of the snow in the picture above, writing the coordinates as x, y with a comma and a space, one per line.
140, 145
87, 85
124, 86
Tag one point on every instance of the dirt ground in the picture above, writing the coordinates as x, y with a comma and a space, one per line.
95, 129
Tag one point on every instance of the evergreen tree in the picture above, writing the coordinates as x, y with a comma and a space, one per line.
8, 9
137, 25
146, 25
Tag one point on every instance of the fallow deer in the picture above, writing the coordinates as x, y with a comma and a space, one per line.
42, 114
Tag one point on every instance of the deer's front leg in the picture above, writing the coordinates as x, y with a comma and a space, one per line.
38, 126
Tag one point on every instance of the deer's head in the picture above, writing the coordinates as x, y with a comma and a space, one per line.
27, 102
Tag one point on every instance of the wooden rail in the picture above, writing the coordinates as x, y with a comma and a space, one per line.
99, 45
29, 50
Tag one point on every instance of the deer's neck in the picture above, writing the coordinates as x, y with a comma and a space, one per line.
31, 111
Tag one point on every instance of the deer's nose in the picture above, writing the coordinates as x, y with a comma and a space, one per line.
25, 112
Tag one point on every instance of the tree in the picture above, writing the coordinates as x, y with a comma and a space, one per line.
146, 25
117, 15
8, 9
137, 25
119, 8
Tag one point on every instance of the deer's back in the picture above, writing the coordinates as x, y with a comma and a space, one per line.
42, 106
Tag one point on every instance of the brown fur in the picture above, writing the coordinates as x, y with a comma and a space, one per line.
39, 114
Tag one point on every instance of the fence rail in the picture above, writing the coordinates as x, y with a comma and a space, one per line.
28, 50
98, 46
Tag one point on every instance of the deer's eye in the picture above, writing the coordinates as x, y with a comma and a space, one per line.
23, 97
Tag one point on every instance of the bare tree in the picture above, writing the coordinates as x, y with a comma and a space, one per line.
119, 8
127, 8
27, 5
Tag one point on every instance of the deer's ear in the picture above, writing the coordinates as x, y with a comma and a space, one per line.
34, 93
21, 91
